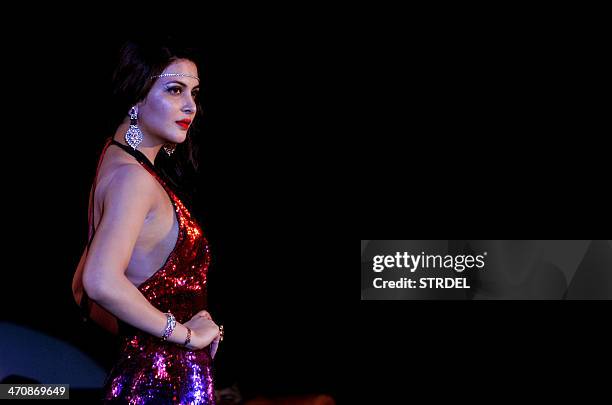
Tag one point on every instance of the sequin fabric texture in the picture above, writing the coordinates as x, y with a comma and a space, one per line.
152, 371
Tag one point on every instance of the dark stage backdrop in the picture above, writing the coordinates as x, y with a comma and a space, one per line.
264, 285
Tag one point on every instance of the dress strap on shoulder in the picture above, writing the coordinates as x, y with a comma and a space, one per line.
138, 155
147, 164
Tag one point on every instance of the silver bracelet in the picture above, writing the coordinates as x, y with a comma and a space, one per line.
170, 325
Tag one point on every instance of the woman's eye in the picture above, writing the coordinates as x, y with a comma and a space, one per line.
174, 90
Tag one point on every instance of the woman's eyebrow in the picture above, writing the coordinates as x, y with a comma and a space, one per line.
197, 86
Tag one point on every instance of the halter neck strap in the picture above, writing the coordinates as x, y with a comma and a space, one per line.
140, 157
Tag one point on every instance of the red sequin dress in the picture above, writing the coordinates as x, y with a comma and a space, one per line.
149, 370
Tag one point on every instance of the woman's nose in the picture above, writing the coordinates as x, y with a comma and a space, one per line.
189, 107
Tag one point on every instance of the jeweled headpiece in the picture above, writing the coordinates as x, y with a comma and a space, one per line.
175, 74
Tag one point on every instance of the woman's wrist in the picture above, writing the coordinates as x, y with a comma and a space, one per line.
175, 332
188, 338
192, 337
170, 326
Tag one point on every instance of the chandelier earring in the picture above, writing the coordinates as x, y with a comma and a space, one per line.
133, 136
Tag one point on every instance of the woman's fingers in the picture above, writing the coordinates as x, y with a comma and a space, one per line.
213, 347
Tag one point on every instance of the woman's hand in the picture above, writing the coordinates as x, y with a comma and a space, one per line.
203, 330
214, 346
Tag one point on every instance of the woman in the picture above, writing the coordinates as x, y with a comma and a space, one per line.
143, 273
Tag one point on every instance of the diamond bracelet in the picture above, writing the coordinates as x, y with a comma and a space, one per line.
170, 325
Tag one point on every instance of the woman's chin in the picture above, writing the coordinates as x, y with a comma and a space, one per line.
176, 138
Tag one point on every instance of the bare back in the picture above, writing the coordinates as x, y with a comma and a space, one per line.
155, 241
159, 231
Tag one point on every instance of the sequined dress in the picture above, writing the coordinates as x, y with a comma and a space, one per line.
149, 370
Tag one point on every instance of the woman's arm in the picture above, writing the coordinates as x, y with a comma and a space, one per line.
128, 198
95, 312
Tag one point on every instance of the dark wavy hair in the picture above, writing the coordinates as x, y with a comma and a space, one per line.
139, 59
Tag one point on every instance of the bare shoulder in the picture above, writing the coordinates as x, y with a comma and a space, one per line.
130, 183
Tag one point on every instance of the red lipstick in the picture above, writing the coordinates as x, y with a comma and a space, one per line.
184, 123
